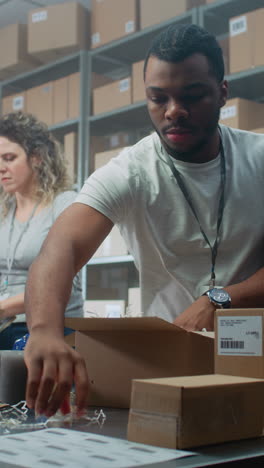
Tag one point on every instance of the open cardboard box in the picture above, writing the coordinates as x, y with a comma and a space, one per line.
117, 350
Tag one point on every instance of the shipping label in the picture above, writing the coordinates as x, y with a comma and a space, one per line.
39, 16
228, 112
239, 336
238, 26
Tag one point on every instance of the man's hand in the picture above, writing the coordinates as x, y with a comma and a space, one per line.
198, 316
53, 367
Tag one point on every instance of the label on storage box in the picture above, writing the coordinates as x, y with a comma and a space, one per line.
129, 27
39, 16
239, 336
237, 26
96, 38
18, 103
124, 85
228, 112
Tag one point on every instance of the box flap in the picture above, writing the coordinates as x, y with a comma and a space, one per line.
122, 324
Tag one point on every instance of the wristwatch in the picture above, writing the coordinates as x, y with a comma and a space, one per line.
219, 297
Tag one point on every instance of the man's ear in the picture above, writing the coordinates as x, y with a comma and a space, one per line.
223, 93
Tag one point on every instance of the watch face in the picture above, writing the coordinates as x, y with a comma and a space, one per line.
219, 295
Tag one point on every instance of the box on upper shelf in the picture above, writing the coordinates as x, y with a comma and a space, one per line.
154, 11
112, 19
246, 34
58, 30
242, 113
183, 412
14, 103
138, 86
239, 342
112, 96
14, 58
117, 350
40, 102
71, 154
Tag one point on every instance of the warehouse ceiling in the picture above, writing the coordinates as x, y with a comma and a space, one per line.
16, 11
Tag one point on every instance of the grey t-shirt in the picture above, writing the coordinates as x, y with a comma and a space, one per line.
29, 247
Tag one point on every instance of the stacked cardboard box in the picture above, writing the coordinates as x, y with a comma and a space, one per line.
154, 11
112, 96
242, 114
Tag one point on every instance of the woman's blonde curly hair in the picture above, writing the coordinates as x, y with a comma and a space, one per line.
37, 141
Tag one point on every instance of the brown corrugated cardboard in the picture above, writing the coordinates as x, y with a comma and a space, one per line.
138, 87
14, 58
239, 342
112, 246
243, 114
122, 22
104, 308
14, 103
241, 38
74, 96
57, 30
117, 350
154, 11
102, 158
258, 58
184, 412
40, 102
112, 96
71, 154
60, 103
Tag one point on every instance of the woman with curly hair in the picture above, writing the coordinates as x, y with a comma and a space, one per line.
34, 190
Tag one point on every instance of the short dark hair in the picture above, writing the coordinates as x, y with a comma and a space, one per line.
177, 43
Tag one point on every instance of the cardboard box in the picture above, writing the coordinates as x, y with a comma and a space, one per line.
74, 96
113, 245
182, 412
112, 19
117, 350
258, 58
258, 130
104, 308
40, 102
112, 96
14, 103
14, 58
138, 86
60, 109
154, 11
239, 342
104, 147
71, 154
102, 158
241, 38
243, 114
57, 30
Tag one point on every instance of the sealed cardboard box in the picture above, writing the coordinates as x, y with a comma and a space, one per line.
182, 412
112, 96
154, 11
258, 58
57, 30
113, 245
102, 158
14, 58
60, 109
71, 154
14, 103
117, 350
73, 96
138, 87
242, 114
241, 38
107, 26
40, 102
239, 342
104, 308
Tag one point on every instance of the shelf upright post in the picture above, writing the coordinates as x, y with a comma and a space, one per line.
84, 132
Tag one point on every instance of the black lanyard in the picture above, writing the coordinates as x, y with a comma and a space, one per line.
188, 198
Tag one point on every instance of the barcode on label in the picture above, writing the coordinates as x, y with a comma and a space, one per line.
228, 344
124, 85
129, 27
228, 112
238, 26
39, 16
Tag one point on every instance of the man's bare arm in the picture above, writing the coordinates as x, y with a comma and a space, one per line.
52, 365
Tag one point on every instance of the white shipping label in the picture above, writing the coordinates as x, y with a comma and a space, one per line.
39, 16
124, 85
129, 27
18, 103
239, 336
228, 112
96, 38
238, 26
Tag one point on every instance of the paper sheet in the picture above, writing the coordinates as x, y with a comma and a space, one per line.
54, 448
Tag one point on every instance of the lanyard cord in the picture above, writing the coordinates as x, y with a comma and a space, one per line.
10, 257
179, 178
